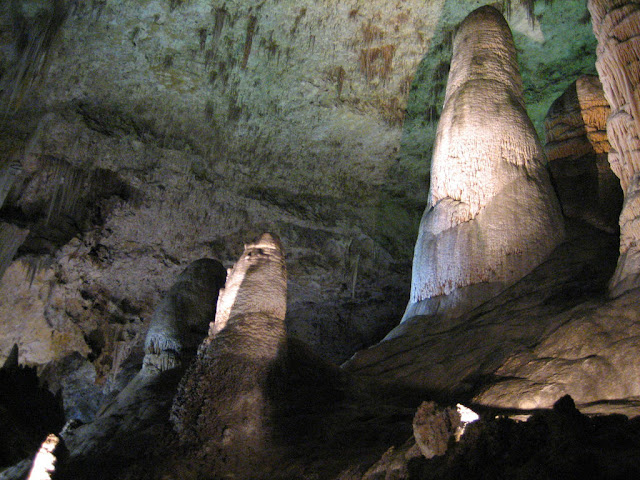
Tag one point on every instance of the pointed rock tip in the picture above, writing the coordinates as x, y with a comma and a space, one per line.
266, 240
12, 359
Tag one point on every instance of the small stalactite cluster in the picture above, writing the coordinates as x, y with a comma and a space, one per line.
34, 38
616, 25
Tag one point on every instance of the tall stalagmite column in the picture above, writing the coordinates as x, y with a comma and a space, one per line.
223, 404
492, 214
616, 25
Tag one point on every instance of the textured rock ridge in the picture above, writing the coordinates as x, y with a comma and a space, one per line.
491, 215
222, 401
577, 148
616, 25
180, 321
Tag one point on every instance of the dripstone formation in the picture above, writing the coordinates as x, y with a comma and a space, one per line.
222, 402
178, 325
181, 320
577, 148
616, 25
492, 214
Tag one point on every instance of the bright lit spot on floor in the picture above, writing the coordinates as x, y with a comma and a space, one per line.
466, 414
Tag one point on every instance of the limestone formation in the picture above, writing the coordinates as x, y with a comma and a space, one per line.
222, 401
46, 460
577, 148
552, 333
616, 25
492, 214
180, 321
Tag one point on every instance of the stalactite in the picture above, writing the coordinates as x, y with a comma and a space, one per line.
40, 34
616, 25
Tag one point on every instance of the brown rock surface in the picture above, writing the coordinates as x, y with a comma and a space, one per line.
577, 149
223, 403
434, 428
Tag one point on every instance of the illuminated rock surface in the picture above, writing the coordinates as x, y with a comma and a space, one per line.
577, 149
167, 146
223, 401
254, 404
492, 215
616, 25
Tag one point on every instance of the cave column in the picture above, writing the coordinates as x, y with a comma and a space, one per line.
616, 25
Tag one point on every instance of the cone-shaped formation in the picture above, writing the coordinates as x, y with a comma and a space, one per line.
181, 319
577, 148
616, 25
222, 402
255, 283
492, 214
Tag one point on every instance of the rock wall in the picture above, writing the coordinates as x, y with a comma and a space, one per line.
492, 215
577, 149
616, 24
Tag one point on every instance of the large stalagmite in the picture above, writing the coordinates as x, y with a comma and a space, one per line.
492, 214
616, 24
223, 400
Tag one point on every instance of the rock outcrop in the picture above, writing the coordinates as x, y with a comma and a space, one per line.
577, 149
552, 444
616, 25
492, 214
138, 416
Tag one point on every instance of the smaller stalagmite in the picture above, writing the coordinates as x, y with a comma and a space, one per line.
492, 214
616, 25
577, 148
223, 400
181, 319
